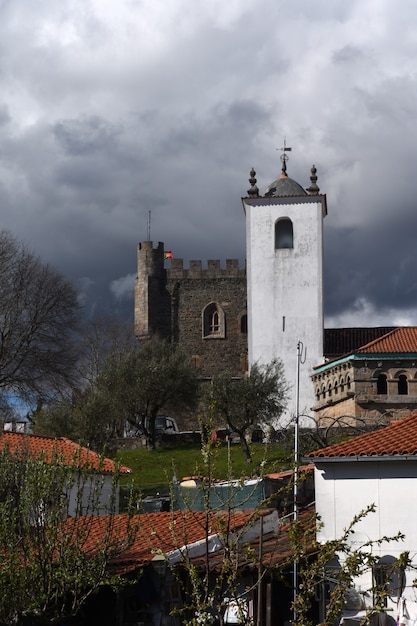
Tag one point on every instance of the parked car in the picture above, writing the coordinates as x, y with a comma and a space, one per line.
166, 425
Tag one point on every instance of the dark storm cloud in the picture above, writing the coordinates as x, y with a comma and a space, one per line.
114, 119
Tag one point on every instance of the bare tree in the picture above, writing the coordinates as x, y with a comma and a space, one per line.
327, 429
87, 413
102, 338
38, 318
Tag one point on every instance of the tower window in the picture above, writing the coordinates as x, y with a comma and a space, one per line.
284, 235
213, 321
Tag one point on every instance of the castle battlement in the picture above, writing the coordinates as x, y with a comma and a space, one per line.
177, 271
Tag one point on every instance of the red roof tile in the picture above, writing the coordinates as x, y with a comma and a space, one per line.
156, 532
59, 449
402, 339
397, 439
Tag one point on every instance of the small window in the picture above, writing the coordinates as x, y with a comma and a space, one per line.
348, 382
213, 321
381, 385
284, 235
243, 324
402, 385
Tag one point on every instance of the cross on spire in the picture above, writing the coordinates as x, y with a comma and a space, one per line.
284, 158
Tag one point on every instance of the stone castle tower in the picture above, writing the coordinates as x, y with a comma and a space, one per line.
284, 248
201, 309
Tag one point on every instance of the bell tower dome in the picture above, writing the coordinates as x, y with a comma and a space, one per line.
284, 248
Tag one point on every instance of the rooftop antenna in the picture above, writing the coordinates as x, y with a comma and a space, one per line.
284, 157
149, 225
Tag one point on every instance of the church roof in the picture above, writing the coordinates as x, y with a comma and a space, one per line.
339, 341
394, 341
397, 439
284, 186
400, 340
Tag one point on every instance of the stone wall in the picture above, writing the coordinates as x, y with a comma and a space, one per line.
169, 303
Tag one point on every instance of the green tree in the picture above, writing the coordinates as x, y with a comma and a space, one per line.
246, 402
143, 382
49, 563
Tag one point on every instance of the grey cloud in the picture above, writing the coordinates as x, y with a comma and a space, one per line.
86, 136
108, 113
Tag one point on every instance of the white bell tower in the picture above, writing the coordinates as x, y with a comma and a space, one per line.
284, 248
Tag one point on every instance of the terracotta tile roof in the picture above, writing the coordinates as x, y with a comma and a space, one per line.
397, 439
59, 449
154, 532
166, 532
402, 339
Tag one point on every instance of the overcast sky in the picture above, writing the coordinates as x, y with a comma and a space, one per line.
110, 109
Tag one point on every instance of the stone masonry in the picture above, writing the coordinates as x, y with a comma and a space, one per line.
172, 303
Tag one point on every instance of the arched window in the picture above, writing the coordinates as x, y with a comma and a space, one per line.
381, 385
402, 385
348, 382
284, 235
342, 385
213, 321
243, 324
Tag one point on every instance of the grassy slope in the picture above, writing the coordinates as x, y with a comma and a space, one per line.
153, 470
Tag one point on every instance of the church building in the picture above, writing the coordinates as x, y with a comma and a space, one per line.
228, 318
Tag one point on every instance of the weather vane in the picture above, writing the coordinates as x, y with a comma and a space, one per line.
284, 157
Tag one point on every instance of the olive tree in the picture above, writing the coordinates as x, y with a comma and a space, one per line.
142, 382
38, 318
245, 402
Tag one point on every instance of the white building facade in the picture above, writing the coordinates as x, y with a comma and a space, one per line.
284, 248
378, 468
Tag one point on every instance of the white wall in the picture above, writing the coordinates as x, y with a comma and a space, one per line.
344, 489
285, 291
96, 490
